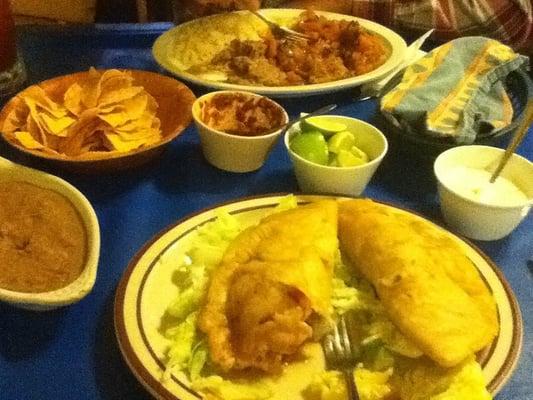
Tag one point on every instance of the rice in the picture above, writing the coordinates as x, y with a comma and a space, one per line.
197, 42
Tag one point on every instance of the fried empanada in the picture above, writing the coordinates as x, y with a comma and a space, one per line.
273, 282
429, 287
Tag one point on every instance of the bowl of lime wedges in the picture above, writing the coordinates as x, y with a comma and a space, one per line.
335, 154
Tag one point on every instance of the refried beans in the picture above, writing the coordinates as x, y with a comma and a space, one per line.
43, 241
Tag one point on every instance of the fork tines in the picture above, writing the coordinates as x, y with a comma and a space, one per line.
341, 355
281, 31
338, 348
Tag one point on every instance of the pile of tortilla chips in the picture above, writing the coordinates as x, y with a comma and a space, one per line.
104, 112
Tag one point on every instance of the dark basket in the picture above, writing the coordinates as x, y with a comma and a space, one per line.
519, 87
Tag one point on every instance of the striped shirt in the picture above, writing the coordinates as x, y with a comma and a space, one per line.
509, 21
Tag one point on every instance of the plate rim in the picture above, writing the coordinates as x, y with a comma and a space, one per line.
159, 391
295, 90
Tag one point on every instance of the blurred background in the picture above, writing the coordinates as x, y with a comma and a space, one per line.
88, 11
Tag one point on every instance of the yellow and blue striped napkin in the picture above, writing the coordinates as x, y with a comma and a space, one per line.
455, 90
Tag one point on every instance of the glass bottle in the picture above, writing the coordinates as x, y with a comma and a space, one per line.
12, 71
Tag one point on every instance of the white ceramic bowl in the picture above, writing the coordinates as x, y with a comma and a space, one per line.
351, 181
78, 289
475, 219
229, 152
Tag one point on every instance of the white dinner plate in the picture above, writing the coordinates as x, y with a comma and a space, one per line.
146, 289
162, 51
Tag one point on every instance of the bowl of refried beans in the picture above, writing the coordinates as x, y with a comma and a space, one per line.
49, 239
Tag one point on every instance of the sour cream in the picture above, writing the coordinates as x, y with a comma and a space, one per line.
475, 185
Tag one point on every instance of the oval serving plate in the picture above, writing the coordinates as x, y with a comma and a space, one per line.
146, 289
162, 51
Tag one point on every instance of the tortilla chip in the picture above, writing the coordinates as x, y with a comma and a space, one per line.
15, 120
37, 96
79, 132
72, 99
103, 112
28, 141
124, 146
128, 110
111, 98
91, 89
56, 126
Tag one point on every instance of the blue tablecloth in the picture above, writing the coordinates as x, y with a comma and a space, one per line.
71, 353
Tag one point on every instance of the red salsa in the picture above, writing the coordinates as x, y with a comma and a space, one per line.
241, 114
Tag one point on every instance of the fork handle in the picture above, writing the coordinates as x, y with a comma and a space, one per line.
258, 15
350, 384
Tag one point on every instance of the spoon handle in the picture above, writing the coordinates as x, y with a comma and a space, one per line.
321, 110
521, 132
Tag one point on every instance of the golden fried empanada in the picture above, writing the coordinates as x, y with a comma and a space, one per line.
430, 289
273, 282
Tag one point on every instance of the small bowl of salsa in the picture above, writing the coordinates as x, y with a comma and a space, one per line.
238, 129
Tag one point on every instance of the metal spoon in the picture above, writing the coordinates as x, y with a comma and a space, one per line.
321, 110
521, 132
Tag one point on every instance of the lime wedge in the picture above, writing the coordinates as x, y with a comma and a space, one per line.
356, 151
312, 146
346, 158
341, 141
326, 125
332, 160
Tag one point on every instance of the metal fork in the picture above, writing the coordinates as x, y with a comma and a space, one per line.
342, 355
282, 32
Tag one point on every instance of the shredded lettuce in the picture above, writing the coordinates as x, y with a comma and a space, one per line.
187, 351
352, 293
372, 385
212, 240
286, 203
197, 361
189, 297
183, 337
390, 363
424, 380
230, 390
329, 385
467, 384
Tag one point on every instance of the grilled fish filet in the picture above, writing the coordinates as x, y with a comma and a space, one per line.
273, 281
430, 289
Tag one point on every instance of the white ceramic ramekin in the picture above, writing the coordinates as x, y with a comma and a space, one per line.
229, 152
351, 181
475, 219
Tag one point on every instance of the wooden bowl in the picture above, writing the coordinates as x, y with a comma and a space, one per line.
175, 103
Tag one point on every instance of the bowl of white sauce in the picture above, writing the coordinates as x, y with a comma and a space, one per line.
472, 205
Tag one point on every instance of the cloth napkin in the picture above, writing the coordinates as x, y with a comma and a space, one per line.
412, 54
455, 91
